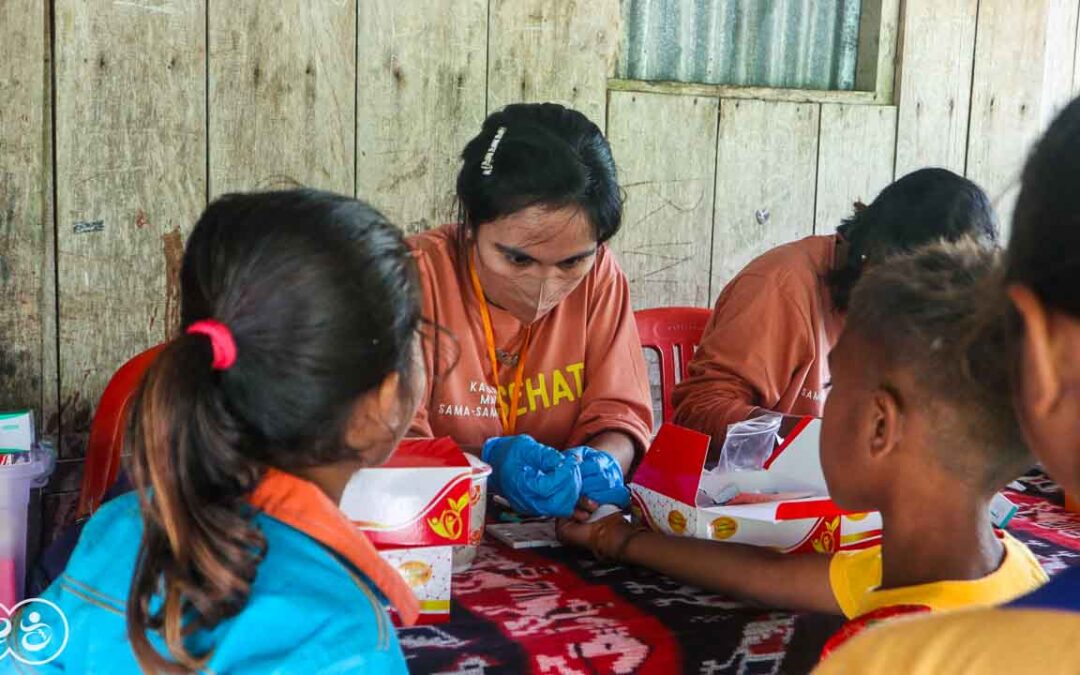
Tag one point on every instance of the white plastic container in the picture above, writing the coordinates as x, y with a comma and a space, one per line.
464, 555
16, 480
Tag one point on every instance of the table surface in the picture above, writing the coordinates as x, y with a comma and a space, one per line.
556, 610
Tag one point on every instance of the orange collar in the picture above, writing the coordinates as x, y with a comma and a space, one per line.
303, 506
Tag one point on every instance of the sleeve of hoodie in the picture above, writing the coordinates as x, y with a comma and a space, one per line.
616, 395
758, 337
432, 341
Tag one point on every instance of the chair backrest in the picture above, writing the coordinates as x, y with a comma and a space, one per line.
673, 333
107, 431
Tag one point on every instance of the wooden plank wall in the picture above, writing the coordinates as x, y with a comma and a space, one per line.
26, 255
280, 109
420, 97
163, 104
1013, 93
856, 153
934, 88
545, 50
765, 180
130, 181
669, 194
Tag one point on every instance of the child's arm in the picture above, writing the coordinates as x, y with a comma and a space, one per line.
797, 582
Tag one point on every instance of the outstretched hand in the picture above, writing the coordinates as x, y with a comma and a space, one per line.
603, 537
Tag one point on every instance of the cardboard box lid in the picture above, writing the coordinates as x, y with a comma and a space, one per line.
673, 463
426, 453
673, 466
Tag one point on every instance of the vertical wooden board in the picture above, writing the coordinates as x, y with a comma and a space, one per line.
765, 181
665, 150
1008, 95
855, 159
1075, 87
422, 67
561, 51
1061, 23
934, 97
282, 94
50, 354
25, 258
131, 180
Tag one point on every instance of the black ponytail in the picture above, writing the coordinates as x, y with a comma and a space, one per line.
320, 295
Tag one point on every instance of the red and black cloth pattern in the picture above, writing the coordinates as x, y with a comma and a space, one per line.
558, 611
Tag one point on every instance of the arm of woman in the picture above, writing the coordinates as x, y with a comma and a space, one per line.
757, 337
430, 337
797, 581
619, 445
616, 408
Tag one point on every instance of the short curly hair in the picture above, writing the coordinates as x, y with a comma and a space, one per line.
930, 312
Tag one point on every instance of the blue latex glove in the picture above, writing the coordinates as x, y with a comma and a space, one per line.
601, 477
534, 478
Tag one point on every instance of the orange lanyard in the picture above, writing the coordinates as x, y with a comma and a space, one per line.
508, 417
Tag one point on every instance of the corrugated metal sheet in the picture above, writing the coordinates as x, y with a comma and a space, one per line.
806, 44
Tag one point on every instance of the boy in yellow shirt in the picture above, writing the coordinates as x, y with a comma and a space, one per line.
918, 426
1039, 632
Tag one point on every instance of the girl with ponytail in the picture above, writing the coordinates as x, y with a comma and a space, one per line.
297, 364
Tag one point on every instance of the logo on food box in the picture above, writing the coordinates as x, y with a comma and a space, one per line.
724, 527
826, 541
676, 521
34, 632
449, 523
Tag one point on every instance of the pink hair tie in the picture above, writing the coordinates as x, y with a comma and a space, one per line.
221, 342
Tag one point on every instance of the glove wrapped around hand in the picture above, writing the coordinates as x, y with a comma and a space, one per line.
536, 479
601, 477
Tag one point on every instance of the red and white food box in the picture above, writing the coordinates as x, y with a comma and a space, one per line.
667, 496
415, 508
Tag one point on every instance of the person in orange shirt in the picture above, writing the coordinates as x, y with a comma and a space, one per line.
766, 345
917, 427
1040, 305
545, 353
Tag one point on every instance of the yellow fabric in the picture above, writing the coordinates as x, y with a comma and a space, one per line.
975, 642
856, 575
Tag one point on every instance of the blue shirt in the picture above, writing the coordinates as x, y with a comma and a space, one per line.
309, 611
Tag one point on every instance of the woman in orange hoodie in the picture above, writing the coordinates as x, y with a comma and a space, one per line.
547, 355
766, 345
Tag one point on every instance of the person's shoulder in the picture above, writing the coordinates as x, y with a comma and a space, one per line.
440, 241
803, 259
1020, 558
965, 641
298, 567
794, 271
606, 269
108, 546
313, 602
871, 555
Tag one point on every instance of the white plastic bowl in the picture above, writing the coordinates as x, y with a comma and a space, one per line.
464, 555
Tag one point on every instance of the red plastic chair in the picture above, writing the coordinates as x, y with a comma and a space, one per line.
673, 333
107, 431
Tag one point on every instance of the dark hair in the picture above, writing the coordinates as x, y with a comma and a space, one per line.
925, 312
922, 207
531, 154
1044, 248
320, 293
